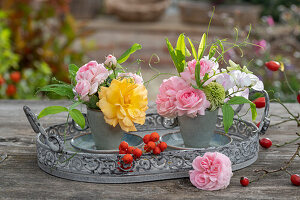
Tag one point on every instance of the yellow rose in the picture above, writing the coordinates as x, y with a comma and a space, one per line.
124, 102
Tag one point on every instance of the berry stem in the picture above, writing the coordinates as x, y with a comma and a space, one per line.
289, 142
283, 168
288, 84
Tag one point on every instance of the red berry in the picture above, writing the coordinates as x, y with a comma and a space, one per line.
265, 142
2, 80
258, 124
137, 153
147, 148
272, 65
11, 90
15, 76
156, 151
130, 150
151, 145
298, 96
154, 137
244, 181
123, 146
122, 152
146, 138
127, 159
295, 179
163, 146
260, 102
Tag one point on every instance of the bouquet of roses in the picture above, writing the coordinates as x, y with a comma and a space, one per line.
201, 85
120, 95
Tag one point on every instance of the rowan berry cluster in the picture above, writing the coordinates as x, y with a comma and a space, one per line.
152, 144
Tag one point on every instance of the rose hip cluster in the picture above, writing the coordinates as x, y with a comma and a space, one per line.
152, 144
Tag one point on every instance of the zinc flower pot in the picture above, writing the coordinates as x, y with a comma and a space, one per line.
106, 137
197, 132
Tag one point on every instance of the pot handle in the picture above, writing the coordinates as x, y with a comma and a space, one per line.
54, 142
265, 119
77, 127
169, 123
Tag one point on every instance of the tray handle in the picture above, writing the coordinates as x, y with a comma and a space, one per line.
265, 119
54, 142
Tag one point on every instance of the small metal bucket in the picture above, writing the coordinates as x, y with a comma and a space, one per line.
197, 132
106, 137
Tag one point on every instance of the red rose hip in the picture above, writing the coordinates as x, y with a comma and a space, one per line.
298, 96
272, 65
265, 142
295, 179
11, 90
260, 102
2, 80
244, 181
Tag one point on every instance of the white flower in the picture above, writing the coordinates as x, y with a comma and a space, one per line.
256, 83
235, 91
225, 80
241, 79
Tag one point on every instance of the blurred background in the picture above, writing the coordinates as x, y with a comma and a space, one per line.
39, 38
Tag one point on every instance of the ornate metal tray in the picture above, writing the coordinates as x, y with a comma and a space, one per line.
57, 157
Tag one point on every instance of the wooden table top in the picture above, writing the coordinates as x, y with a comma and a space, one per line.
21, 178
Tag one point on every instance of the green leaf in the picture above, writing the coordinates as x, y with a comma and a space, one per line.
52, 110
78, 117
221, 45
128, 52
72, 72
60, 89
201, 46
181, 44
74, 105
197, 74
193, 49
238, 100
242, 100
180, 53
187, 52
228, 114
212, 51
172, 53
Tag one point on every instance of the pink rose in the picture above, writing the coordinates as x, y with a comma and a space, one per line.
83, 88
137, 79
110, 61
207, 66
167, 96
211, 172
94, 74
191, 101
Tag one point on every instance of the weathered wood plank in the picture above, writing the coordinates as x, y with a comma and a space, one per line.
21, 178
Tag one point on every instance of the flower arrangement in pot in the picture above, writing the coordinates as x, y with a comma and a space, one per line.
115, 99
201, 87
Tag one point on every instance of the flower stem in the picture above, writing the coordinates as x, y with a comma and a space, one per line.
288, 84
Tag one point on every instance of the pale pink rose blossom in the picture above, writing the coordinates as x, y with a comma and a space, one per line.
191, 101
207, 66
166, 98
83, 88
110, 61
211, 172
94, 74
137, 79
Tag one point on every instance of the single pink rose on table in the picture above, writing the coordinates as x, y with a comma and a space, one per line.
211, 172
137, 79
110, 61
190, 102
92, 73
166, 98
206, 66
